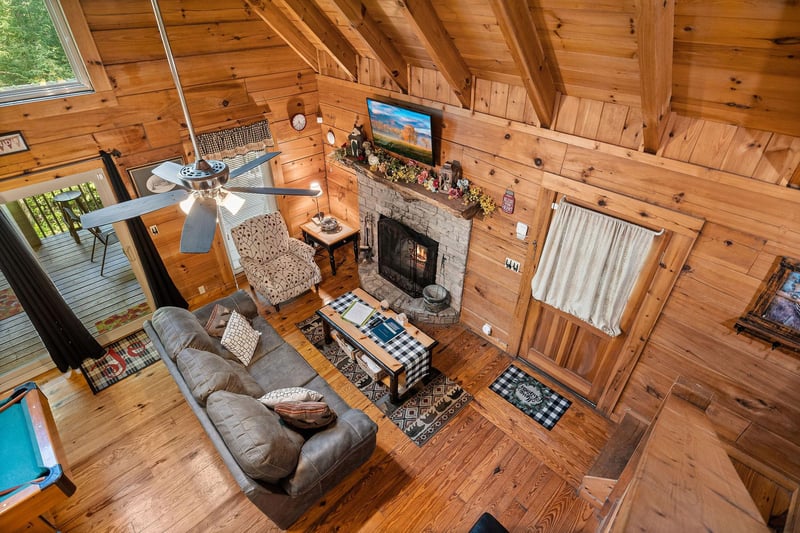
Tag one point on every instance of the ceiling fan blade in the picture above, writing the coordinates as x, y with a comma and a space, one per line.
252, 164
274, 190
169, 171
132, 208
199, 227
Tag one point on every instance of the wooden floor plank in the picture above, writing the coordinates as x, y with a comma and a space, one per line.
143, 463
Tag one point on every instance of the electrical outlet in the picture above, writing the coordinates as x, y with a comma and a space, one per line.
201, 289
154, 229
512, 265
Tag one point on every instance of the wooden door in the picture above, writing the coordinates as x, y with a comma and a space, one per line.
585, 359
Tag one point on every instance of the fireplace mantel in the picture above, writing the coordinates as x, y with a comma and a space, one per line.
414, 191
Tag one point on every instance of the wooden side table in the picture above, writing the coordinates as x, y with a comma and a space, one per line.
313, 234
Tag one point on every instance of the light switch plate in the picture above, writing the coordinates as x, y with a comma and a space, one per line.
522, 230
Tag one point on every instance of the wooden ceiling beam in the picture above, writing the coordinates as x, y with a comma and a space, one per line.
654, 40
328, 34
286, 30
385, 52
427, 26
519, 31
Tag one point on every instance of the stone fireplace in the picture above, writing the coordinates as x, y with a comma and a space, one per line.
405, 257
418, 219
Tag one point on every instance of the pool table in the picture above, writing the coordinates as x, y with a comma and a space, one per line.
34, 476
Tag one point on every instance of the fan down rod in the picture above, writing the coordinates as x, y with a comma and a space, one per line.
162, 30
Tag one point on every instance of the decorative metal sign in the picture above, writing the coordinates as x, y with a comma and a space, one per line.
12, 142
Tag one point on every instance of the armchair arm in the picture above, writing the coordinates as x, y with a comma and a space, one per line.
333, 453
301, 249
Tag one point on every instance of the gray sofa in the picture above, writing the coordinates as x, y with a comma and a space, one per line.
236, 420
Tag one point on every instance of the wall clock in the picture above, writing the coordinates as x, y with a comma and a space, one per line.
299, 121
331, 138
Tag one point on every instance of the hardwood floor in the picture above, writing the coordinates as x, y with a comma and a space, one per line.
142, 462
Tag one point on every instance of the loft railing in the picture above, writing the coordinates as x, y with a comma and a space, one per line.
46, 217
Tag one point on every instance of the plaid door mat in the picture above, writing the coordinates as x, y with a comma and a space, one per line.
530, 396
123, 358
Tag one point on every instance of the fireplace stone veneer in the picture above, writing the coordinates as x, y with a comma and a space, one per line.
424, 215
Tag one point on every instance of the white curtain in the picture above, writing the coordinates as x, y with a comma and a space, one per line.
589, 265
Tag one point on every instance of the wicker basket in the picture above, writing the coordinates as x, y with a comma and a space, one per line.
351, 351
371, 368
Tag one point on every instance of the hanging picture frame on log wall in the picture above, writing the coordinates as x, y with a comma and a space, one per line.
775, 315
147, 183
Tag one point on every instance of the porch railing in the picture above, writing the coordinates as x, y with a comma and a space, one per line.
46, 217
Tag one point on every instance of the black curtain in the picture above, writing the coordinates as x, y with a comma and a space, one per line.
161, 285
66, 339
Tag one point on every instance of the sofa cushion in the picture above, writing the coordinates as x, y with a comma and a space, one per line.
262, 445
205, 373
178, 329
280, 368
290, 394
305, 415
240, 338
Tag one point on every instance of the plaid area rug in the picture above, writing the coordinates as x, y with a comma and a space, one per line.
420, 416
120, 319
530, 396
123, 358
9, 305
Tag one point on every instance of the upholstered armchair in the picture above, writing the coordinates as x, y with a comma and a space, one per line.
277, 266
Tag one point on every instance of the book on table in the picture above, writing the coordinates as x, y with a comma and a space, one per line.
387, 329
358, 313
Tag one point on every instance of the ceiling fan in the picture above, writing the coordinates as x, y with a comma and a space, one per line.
202, 184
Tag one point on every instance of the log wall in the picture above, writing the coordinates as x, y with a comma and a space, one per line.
234, 71
734, 178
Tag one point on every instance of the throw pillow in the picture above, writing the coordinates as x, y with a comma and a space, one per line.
240, 338
305, 415
262, 445
290, 394
218, 321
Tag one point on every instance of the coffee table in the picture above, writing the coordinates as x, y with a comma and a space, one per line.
406, 358
313, 234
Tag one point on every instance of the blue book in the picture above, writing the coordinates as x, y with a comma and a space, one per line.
387, 330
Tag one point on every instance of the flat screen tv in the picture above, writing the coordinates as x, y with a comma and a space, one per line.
402, 131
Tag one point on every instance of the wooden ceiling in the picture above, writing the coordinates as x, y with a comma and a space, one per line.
731, 61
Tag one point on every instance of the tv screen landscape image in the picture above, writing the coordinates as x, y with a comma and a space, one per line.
401, 131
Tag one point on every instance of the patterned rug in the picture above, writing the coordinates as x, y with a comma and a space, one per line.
9, 305
123, 358
533, 398
114, 321
420, 416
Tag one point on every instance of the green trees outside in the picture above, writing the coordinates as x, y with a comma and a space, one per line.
30, 50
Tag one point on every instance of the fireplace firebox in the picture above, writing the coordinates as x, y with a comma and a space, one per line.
406, 257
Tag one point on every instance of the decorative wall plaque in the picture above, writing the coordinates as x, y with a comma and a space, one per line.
12, 142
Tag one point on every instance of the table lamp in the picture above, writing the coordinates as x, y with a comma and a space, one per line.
317, 218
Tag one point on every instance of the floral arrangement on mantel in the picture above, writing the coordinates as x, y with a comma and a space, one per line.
397, 170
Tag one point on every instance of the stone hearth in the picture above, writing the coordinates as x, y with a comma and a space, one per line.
446, 221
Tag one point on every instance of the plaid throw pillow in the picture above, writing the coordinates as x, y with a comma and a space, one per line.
305, 415
215, 326
240, 338
289, 394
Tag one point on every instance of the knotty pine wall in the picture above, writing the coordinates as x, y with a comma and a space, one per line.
234, 70
734, 178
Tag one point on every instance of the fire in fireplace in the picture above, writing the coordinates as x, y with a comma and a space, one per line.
406, 257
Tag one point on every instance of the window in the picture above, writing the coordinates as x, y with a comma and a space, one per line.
38, 57
255, 204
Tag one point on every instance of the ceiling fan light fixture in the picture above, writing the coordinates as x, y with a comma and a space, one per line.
232, 202
186, 205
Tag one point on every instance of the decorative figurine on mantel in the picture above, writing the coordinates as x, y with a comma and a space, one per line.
356, 141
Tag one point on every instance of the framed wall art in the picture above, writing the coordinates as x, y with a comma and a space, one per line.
12, 142
775, 315
147, 183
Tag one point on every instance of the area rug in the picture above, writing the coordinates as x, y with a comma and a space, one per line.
530, 396
420, 416
9, 305
119, 319
123, 358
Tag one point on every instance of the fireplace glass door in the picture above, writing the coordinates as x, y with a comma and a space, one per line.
406, 257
